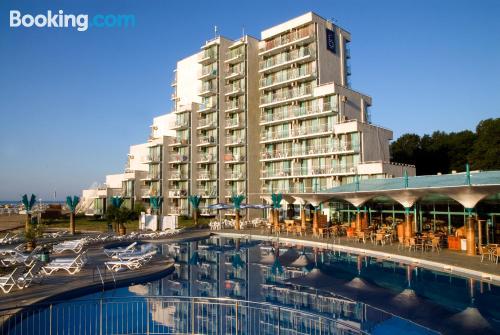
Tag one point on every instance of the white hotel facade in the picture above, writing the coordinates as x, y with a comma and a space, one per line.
256, 117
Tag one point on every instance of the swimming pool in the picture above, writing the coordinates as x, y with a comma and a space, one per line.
364, 294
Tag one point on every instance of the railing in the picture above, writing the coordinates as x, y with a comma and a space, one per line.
235, 54
205, 175
179, 158
168, 315
236, 122
208, 55
235, 139
207, 71
207, 122
236, 87
206, 158
287, 75
280, 114
176, 193
177, 175
288, 38
178, 211
235, 104
308, 172
179, 141
208, 192
235, 70
309, 151
286, 94
153, 158
236, 175
287, 57
182, 123
296, 132
207, 140
234, 158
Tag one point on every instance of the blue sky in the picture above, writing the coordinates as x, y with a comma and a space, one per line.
72, 102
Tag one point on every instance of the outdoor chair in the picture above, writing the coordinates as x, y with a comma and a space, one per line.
379, 238
496, 254
114, 251
17, 258
8, 282
484, 250
70, 265
29, 276
434, 244
415, 244
75, 246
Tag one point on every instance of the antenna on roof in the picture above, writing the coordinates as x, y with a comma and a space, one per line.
215, 31
243, 31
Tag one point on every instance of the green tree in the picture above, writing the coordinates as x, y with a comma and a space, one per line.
406, 149
485, 153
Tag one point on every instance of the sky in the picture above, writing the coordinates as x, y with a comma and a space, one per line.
72, 102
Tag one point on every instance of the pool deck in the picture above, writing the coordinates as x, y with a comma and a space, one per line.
448, 261
62, 286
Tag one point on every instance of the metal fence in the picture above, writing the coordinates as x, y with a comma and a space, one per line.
166, 315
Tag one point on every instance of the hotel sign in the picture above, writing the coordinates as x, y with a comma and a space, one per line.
330, 40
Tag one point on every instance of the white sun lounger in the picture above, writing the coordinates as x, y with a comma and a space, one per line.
75, 245
116, 251
145, 248
9, 251
130, 262
70, 265
17, 258
29, 276
9, 281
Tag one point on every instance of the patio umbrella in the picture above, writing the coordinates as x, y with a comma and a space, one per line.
302, 262
258, 206
289, 256
220, 206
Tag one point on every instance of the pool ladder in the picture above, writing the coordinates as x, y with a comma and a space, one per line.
101, 277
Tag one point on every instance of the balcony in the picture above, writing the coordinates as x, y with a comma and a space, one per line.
235, 175
284, 78
208, 192
177, 193
235, 123
206, 158
297, 112
299, 132
208, 212
207, 123
283, 60
152, 176
152, 159
207, 175
178, 158
207, 56
177, 211
285, 96
230, 193
235, 140
207, 141
300, 36
235, 72
208, 89
315, 171
178, 142
207, 73
236, 88
177, 175
207, 108
309, 151
181, 124
234, 159
174, 96
235, 105
235, 56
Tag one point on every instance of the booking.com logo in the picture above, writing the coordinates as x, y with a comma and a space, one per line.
61, 20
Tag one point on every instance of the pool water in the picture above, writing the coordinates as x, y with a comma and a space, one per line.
370, 295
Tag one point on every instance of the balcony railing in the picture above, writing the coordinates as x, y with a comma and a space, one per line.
177, 141
208, 192
177, 211
305, 172
285, 94
299, 151
235, 139
205, 108
207, 56
287, 75
235, 175
235, 55
235, 88
208, 212
182, 123
230, 193
289, 38
234, 122
235, 105
178, 158
177, 193
230, 158
153, 176
295, 112
177, 175
208, 140
296, 132
207, 72
287, 57
206, 158
153, 158
207, 89
207, 175
233, 71
207, 123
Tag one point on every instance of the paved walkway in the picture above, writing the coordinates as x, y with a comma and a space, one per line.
446, 260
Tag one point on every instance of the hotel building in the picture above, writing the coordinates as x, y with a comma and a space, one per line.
256, 117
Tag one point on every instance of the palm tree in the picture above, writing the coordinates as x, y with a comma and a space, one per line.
155, 203
237, 200
28, 205
276, 198
117, 215
195, 201
72, 208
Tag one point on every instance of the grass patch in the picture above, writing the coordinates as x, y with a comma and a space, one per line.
89, 224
